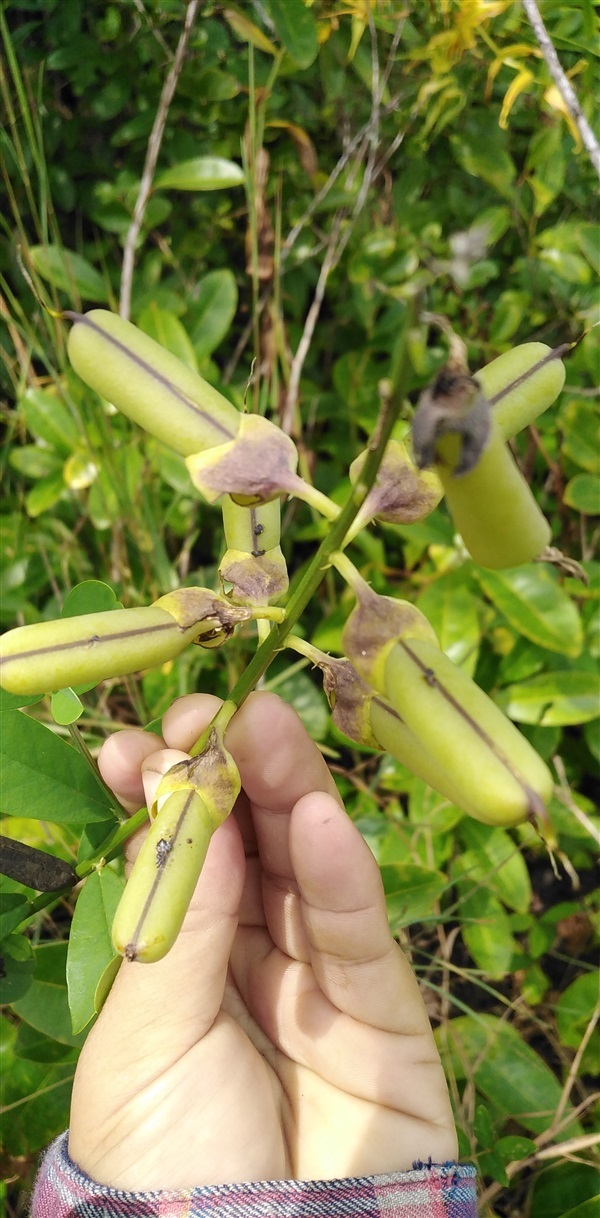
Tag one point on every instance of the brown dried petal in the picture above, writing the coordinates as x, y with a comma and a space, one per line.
454, 405
213, 774
374, 625
199, 605
256, 579
402, 493
350, 699
255, 467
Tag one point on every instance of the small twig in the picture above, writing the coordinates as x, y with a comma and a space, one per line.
152, 151
574, 1068
563, 83
327, 265
566, 798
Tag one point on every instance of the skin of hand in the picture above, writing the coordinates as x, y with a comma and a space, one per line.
284, 1035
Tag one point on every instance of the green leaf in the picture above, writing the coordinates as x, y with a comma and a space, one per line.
581, 434
410, 892
36, 1098
505, 1069
513, 1147
213, 311
586, 1209
90, 596
45, 1005
535, 604
34, 461
583, 494
66, 706
167, 330
565, 1189
47, 418
552, 699
44, 494
44, 777
485, 926
90, 945
14, 907
296, 30
498, 863
17, 975
480, 147
249, 32
308, 701
69, 272
201, 173
452, 611
574, 1011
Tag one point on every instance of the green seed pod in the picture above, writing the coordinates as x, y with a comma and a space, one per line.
492, 506
253, 564
251, 529
521, 384
499, 778
80, 650
374, 626
392, 734
163, 878
149, 384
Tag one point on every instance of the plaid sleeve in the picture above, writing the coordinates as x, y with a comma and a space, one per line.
431, 1190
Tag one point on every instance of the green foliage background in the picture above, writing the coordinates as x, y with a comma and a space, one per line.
465, 188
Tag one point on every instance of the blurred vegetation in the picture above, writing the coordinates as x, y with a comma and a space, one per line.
354, 159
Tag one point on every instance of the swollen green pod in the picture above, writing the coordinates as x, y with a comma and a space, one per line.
501, 779
80, 650
149, 384
163, 878
492, 505
521, 384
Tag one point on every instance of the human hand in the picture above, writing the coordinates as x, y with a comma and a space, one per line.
283, 1036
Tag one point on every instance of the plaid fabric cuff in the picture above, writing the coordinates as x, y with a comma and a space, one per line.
431, 1190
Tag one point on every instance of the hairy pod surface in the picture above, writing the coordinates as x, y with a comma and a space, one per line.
47, 656
492, 505
521, 384
149, 384
502, 779
163, 878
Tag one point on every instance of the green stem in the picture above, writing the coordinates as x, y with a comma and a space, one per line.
81, 745
334, 540
109, 850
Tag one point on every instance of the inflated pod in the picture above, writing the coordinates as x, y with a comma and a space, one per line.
47, 656
521, 384
502, 780
163, 878
492, 505
149, 384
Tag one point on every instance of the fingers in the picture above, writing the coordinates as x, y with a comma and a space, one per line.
120, 763
356, 962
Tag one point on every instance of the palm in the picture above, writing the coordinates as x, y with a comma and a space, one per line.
283, 1035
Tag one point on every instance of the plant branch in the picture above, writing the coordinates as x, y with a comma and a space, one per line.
563, 83
335, 537
152, 151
